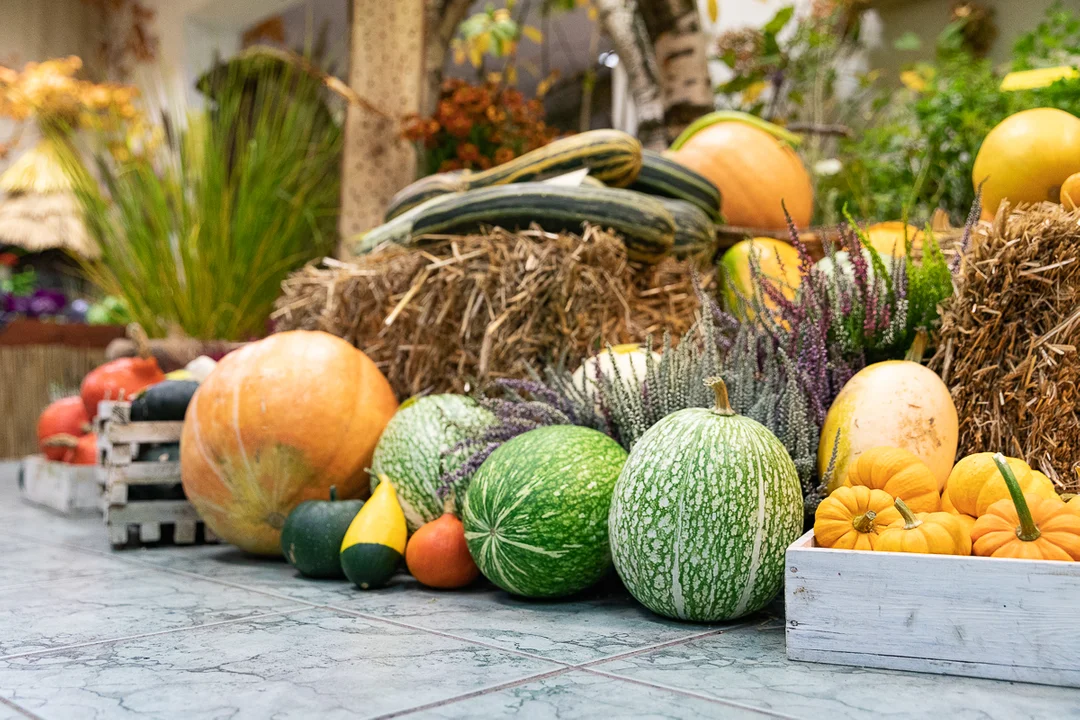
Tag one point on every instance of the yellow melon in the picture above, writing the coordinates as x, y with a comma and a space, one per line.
779, 261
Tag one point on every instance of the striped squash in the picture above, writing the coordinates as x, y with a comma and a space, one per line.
660, 175
695, 233
612, 156
644, 223
412, 447
702, 513
536, 511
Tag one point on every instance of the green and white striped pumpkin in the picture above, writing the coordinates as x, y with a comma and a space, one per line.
410, 451
702, 513
536, 511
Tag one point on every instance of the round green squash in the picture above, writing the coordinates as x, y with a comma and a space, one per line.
536, 511
702, 513
410, 451
312, 534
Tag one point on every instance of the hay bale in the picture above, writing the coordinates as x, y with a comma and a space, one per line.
1009, 340
464, 310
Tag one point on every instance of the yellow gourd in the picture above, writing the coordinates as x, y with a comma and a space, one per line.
778, 260
936, 533
888, 238
374, 544
975, 483
1070, 192
851, 518
900, 473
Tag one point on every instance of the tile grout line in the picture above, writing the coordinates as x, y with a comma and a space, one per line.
690, 693
659, 646
139, 636
474, 694
19, 709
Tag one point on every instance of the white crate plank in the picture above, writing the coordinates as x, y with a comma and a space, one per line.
986, 617
116, 493
69, 489
146, 473
144, 432
184, 533
150, 532
163, 511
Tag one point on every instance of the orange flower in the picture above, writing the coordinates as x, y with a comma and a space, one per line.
483, 163
503, 154
467, 152
448, 165
495, 115
458, 125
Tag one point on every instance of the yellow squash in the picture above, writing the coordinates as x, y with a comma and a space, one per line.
900, 473
779, 262
374, 544
936, 533
890, 238
896, 403
975, 484
1070, 192
851, 518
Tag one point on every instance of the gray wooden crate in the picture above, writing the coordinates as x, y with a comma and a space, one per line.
67, 489
980, 617
133, 522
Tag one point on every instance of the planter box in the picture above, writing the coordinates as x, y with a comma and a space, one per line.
980, 617
68, 489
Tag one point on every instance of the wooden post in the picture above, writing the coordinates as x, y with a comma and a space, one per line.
386, 67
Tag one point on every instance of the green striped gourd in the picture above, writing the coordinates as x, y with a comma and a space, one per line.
702, 513
536, 511
410, 451
695, 233
660, 175
612, 156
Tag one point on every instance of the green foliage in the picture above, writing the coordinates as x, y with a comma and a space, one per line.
198, 232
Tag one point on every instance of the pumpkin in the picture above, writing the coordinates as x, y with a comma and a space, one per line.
66, 416
935, 533
890, 238
852, 517
1070, 192
81, 450
438, 554
1026, 525
1027, 158
276, 423
630, 361
778, 261
898, 472
374, 544
967, 521
975, 483
752, 163
120, 379
896, 403
313, 533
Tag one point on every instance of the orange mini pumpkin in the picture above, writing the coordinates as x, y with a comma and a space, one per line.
1029, 526
975, 483
438, 555
851, 518
276, 423
900, 473
936, 533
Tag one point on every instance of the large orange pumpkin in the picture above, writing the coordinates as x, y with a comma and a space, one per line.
278, 422
752, 163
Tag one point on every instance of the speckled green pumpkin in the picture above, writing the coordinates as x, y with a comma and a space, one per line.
312, 534
410, 451
536, 511
702, 513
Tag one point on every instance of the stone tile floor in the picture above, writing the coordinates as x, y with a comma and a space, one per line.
207, 632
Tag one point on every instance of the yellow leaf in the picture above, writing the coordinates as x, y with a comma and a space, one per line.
1029, 79
476, 56
913, 80
533, 34
494, 78
593, 13
511, 75
751, 93
713, 8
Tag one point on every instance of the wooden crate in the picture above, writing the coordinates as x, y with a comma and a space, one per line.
980, 617
133, 521
68, 489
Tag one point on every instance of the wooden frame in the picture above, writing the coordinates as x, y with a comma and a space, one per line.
981, 617
65, 488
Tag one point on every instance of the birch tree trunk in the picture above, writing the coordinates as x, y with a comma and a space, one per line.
442, 18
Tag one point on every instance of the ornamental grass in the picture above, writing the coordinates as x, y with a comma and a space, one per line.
1008, 342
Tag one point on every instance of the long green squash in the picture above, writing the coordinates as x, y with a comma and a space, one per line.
612, 156
644, 223
665, 177
695, 232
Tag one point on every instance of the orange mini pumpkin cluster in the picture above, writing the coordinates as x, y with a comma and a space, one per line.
991, 505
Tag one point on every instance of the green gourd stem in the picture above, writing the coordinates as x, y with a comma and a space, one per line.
910, 521
1067, 496
448, 504
1027, 531
711, 119
723, 405
918, 347
333, 493
864, 523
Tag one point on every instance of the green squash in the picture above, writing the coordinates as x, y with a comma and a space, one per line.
702, 514
312, 534
536, 511
167, 400
374, 544
410, 451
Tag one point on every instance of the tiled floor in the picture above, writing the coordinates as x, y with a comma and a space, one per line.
207, 632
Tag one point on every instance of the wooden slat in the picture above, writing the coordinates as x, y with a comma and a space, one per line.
163, 511
184, 533
150, 532
144, 432
146, 473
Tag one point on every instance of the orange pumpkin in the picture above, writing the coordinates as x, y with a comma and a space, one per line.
752, 163
900, 473
66, 416
1070, 192
276, 423
438, 555
891, 238
118, 380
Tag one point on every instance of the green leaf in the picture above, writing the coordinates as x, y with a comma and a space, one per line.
779, 20
907, 42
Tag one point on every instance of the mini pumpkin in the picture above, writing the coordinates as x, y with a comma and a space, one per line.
975, 483
935, 533
900, 473
851, 518
1026, 526
965, 520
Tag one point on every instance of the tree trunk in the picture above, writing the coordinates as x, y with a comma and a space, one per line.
674, 28
441, 21
628, 36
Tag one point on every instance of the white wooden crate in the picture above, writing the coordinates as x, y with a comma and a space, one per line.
68, 489
130, 521
980, 617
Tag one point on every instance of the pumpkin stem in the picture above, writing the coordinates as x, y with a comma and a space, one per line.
918, 347
864, 523
1027, 531
142, 341
65, 440
448, 503
723, 405
333, 493
910, 521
